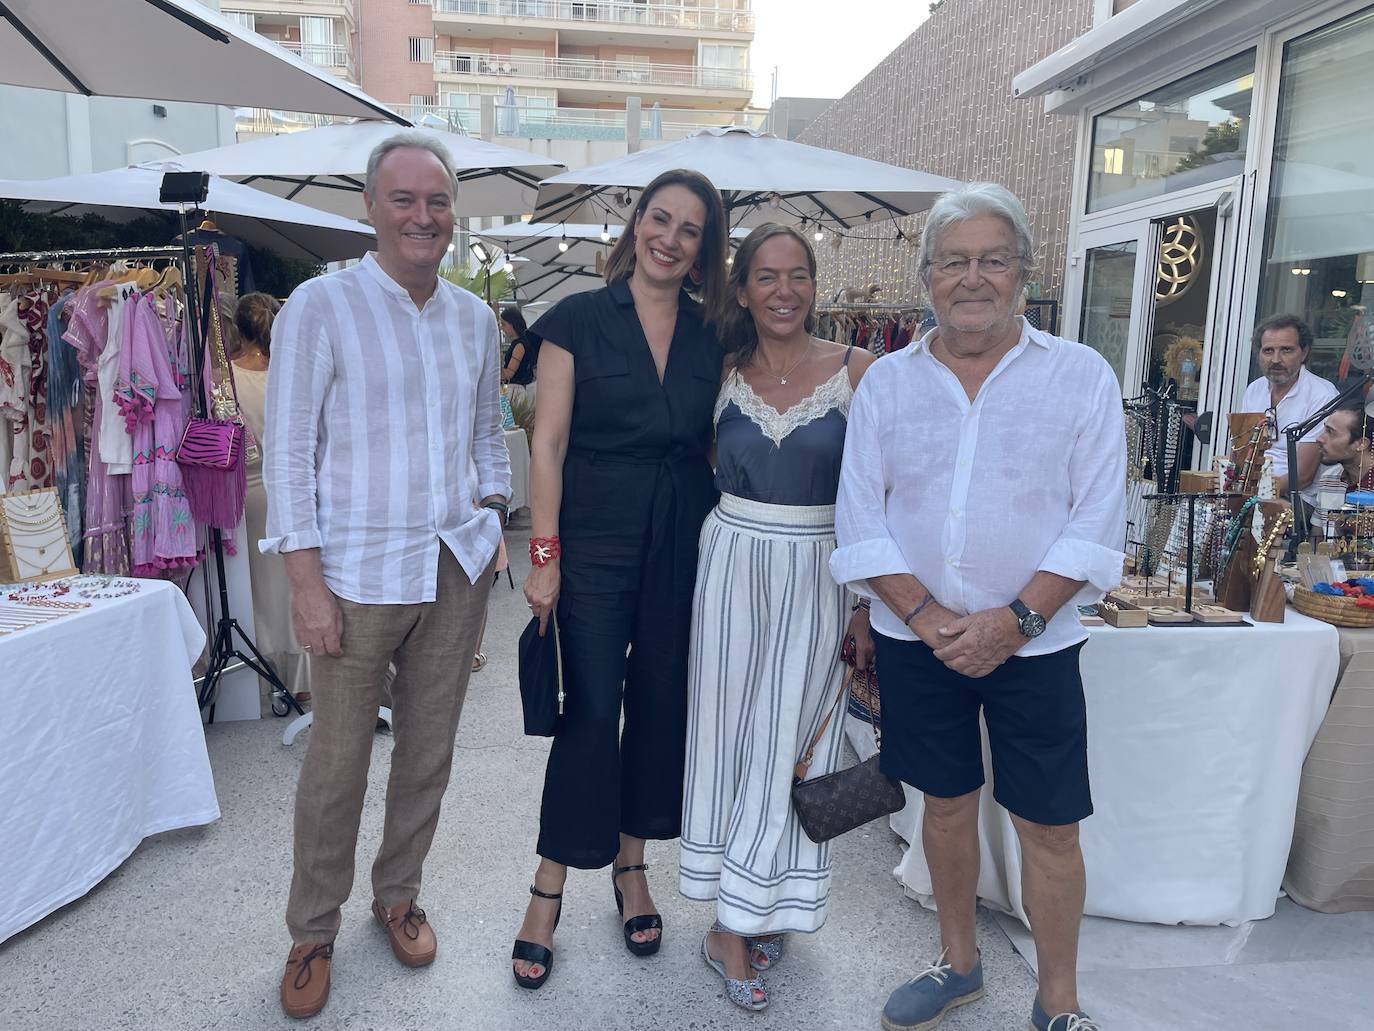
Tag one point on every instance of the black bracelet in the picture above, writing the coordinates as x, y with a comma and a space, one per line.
917, 611
499, 506
862, 603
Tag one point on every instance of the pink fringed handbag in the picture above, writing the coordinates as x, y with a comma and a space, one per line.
213, 448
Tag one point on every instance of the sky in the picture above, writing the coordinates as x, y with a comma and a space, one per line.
822, 48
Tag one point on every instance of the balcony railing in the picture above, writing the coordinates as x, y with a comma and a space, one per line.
276, 7
260, 122
577, 69
536, 122
666, 16
323, 55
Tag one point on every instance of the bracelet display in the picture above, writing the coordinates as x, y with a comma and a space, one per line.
544, 550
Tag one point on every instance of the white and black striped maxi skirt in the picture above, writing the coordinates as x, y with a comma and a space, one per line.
767, 625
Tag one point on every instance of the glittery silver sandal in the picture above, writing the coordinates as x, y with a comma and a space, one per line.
764, 954
741, 993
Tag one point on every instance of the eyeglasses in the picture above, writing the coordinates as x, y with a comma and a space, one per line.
988, 265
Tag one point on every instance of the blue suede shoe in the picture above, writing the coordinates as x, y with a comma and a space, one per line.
1042, 1021
921, 1003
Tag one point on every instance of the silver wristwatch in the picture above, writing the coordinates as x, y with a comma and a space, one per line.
1031, 623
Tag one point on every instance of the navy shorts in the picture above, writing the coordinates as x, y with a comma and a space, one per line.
1037, 729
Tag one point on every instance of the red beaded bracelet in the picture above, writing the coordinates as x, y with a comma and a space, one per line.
544, 550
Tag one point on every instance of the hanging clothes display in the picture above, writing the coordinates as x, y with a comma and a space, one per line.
879, 328
96, 410
24, 388
66, 438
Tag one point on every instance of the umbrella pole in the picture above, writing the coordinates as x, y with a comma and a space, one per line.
223, 650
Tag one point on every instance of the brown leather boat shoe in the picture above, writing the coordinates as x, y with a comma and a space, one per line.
305, 985
412, 938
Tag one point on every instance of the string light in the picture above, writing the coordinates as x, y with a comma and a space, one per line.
605, 232
563, 245
819, 235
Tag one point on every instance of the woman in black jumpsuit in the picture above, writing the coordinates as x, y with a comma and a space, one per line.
620, 475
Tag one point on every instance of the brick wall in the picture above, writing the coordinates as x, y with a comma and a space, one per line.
941, 102
384, 27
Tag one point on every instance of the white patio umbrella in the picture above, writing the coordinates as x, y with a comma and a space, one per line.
324, 168
266, 222
164, 50
559, 259
762, 179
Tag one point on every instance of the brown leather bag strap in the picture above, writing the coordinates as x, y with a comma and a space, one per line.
804, 763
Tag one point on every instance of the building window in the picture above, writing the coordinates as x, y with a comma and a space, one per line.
1318, 260
422, 49
723, 65
244, 19
1192, 131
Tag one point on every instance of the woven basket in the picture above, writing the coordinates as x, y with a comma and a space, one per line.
1330, 609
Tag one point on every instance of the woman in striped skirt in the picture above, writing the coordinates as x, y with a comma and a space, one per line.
768, 620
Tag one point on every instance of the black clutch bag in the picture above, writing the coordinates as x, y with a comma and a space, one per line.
837, 802
541, 678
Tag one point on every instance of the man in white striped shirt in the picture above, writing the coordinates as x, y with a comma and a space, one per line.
387, 478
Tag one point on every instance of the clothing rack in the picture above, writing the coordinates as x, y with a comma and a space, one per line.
868, 307
222, 648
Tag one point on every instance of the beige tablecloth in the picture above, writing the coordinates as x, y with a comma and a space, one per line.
1331, 866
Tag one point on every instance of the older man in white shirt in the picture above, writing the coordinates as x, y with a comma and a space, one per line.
387, 478
981, 496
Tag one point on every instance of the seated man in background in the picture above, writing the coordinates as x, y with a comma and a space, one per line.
1290, 393
1347, 440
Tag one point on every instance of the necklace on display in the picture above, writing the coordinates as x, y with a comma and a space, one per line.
782, 377
108, 587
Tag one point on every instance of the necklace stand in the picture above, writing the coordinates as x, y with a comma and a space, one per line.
33, 537
1191, 499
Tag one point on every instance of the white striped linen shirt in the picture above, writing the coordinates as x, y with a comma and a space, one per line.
974, 497
383, 433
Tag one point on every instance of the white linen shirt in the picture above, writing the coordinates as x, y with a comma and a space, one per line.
973, 498
384, 433
1308, 394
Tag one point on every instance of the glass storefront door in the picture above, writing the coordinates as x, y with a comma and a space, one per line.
1156, 294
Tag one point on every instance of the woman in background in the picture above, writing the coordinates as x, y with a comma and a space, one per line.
274, 635
519, 366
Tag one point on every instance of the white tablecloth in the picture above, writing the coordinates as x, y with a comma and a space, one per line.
101, 745
1196, 740
518, 444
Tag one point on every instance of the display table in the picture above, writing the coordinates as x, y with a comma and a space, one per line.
1196, 739
518, 444
1331, 867
101, 746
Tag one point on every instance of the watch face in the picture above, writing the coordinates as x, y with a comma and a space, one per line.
1033, 624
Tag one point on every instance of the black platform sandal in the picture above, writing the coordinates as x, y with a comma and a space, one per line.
637, 924
531, 952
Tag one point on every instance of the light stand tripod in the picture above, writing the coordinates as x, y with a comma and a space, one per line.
182, 189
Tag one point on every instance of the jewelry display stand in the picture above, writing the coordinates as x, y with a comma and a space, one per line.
33, 537
1267, 598
1186, 616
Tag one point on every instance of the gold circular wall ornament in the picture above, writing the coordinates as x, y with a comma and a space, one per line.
1180, 259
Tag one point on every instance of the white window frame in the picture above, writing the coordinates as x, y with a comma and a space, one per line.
421, 45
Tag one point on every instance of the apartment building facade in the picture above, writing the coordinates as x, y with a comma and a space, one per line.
554, 68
